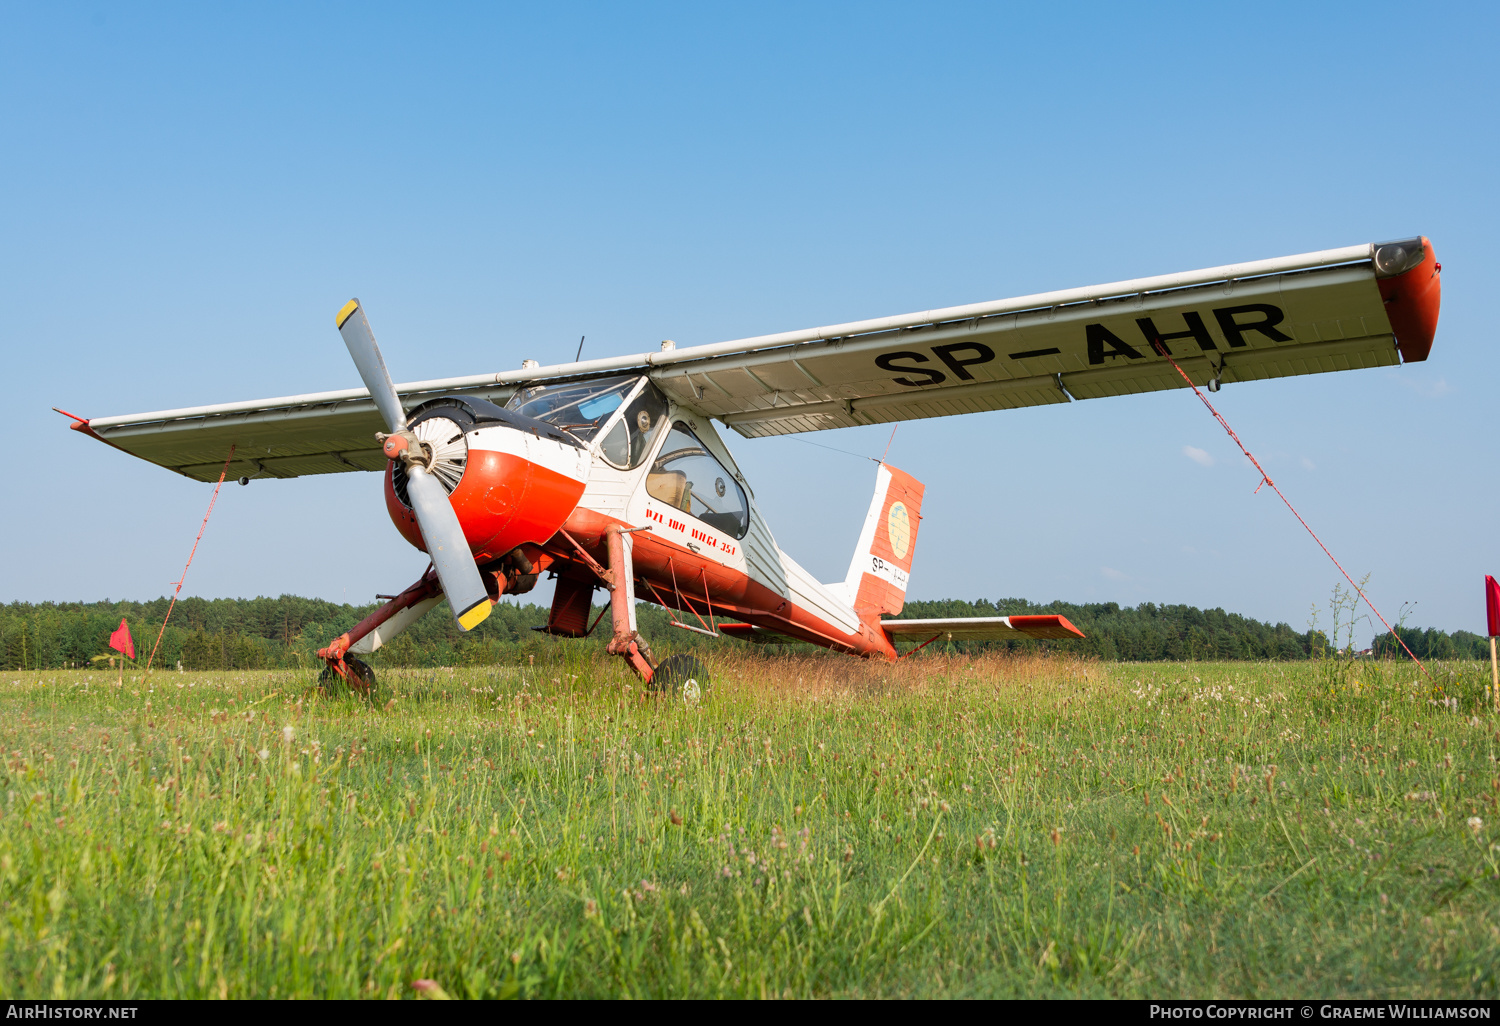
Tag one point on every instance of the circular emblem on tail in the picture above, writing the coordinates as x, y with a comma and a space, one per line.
898, 526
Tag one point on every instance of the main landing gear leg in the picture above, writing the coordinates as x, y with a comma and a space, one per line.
627, 642
355, 673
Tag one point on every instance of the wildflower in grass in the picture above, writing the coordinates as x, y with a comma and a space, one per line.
430, 990
1475, 824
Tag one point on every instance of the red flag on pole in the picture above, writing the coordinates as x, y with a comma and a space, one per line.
1492, 624
121, 641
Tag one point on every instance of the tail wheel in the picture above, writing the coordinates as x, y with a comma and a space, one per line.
361, 679
682, 677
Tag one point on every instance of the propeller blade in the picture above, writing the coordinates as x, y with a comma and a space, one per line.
355, 328
429, 501
448, 548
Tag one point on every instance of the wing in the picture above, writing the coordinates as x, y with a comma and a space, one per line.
982, 628
1373, 305
320, 433
1343, 309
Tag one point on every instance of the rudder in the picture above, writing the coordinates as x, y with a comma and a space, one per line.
876, 583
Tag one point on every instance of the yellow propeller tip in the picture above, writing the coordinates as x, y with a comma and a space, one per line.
345, 313
474, 615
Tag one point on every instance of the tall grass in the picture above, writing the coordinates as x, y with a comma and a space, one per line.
818, 826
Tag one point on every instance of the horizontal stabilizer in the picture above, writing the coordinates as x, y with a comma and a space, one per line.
982, 628
756, 635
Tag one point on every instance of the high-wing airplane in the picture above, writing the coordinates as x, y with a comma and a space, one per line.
610, 474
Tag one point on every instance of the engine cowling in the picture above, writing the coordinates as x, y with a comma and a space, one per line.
511, 479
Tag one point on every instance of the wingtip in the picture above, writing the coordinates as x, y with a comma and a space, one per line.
345, 313
1051, 627
1413, 299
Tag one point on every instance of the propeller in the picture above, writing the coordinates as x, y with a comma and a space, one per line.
441, 530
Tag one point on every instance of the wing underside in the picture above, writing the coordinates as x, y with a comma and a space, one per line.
330, 433
1358, 307
1281, 325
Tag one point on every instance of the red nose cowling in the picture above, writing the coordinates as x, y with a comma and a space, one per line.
502, 501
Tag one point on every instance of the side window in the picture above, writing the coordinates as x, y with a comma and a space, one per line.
689, 478
629, 440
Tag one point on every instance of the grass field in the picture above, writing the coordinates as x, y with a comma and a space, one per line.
819, 826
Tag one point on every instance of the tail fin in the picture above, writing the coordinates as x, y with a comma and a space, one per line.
876, 583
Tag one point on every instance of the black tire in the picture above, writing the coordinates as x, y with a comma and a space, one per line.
681, 677
361, 679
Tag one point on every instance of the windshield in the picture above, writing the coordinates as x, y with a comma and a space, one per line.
580, 408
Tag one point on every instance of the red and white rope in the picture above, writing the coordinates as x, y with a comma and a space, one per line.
196, 540
1265, 479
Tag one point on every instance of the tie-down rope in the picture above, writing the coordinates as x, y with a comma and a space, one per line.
1265, 479
196, 540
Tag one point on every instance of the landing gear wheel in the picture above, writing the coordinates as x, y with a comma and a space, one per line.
361, 678
682, 677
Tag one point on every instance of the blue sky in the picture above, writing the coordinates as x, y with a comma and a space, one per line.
191, 191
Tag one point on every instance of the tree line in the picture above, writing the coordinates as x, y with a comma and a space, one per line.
1431, 644
286, 632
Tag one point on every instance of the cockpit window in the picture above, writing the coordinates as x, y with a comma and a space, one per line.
686, 475
579, 408
628, 440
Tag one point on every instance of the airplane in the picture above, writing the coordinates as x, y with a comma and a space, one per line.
610, 474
